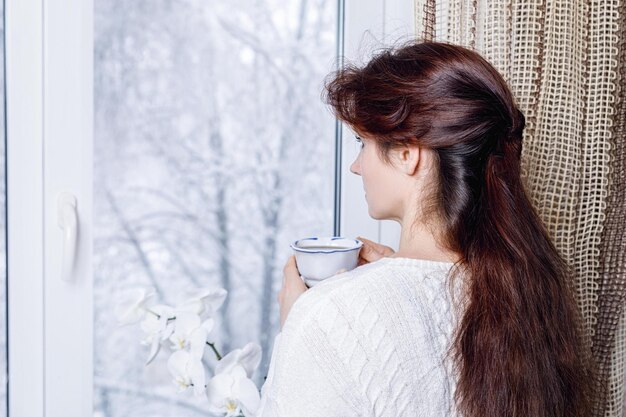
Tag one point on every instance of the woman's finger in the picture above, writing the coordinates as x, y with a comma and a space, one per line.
291, 269
372, 251
293, 287
291, 274
369, 253
377, 247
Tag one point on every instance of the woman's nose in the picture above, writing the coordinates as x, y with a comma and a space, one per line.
355, 167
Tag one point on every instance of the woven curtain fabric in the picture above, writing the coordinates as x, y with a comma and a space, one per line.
610, 331
566, 63
461, 22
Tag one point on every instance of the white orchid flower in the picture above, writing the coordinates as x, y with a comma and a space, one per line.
190, 332
185, 324
207, 300
187, 371
158, 326
249, 358
131, 308
233, 393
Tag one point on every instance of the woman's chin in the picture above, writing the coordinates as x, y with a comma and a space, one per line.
380, 215
374, 215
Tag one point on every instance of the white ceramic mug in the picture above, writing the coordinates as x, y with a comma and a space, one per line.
319, 258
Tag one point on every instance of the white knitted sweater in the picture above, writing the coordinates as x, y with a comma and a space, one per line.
368, 342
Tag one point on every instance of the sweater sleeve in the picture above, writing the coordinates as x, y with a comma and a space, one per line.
308, 374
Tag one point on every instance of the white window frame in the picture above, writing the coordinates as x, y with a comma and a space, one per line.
24, 161
368, 24
49, 94
49, 82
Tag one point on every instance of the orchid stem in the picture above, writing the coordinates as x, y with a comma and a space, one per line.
217, 354
158, 316
152, 312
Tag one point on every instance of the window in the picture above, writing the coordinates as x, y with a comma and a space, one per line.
212, 153
195, 144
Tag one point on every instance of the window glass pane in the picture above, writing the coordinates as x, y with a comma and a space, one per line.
213, 152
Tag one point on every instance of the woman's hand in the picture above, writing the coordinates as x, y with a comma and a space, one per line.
372, 251
293, 287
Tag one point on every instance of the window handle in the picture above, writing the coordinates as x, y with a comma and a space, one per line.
67, 219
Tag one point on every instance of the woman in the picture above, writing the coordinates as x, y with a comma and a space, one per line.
473, 315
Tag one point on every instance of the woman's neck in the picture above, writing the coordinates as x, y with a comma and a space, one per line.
420, 243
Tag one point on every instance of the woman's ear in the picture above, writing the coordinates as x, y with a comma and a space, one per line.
408, 158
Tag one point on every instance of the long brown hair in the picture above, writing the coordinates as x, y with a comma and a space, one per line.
519, 347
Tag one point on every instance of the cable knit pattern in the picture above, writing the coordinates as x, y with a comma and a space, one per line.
368, 342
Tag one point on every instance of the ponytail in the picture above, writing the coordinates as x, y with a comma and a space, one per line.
518, 348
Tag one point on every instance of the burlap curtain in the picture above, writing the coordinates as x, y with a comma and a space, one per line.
566, 63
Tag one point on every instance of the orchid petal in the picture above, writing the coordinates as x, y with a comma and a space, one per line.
250, 357
187, 371
208, 324
169, 330
185, 323
208, 299
150, 325
219, 388
131, 308
237, 372
197, 375
227, 362
197, 343
154, 325
154, 350
248, 396
215, 299
177, 363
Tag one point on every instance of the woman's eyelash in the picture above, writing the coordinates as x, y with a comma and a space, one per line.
359, 140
